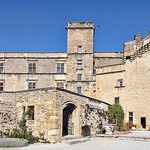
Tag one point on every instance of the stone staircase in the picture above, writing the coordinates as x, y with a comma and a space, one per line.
72, 139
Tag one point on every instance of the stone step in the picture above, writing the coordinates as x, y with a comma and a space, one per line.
75, 141
71, 137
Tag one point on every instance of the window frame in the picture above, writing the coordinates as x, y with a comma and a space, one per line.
1, 86
60, 67
130, 116
120, 83
79, 65
1, 67
32, 67
79, 90
79, 49
33, 85
60, 85
117, 100
79, 77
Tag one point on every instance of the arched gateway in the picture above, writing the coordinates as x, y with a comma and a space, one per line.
69, 119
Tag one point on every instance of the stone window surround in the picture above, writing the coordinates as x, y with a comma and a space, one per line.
79, 88
32, 62
79, 77
79, 49
79, 64
117, 99
119, 83
60, 67
131, 115
60, 84
2, 67
32, 81
2, 85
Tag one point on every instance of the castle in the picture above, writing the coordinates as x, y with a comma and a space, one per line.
81, 76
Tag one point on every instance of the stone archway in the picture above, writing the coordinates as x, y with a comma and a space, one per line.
68, 123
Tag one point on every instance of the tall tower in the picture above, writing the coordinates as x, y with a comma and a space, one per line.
80, 51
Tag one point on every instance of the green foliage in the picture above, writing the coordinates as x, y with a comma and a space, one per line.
22, 123
46, 90
22, 132
41, 134
117, 115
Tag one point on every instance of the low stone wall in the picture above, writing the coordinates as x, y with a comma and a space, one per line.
8, 116
45, 112
95, 119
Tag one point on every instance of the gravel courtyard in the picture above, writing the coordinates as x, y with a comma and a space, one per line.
93, 144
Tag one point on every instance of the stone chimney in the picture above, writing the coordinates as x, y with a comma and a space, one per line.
137, 36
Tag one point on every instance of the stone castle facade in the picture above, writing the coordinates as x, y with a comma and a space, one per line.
82, 77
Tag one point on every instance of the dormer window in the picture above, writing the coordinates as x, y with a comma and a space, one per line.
79, 50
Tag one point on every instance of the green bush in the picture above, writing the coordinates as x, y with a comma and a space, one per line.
22, 132
117, 115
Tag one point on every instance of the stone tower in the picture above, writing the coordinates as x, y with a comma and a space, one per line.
80, 52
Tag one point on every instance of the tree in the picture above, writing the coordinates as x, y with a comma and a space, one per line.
117, 115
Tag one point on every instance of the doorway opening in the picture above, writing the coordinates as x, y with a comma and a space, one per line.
68, 124
143, 122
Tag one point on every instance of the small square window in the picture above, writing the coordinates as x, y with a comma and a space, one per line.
79, 49
60, 85
79, 90
79, 77
116, 100
31, 85
120, 82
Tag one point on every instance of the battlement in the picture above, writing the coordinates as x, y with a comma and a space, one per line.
132, 46
138, 53
80, 25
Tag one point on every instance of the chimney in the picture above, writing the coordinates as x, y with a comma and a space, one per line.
137, 36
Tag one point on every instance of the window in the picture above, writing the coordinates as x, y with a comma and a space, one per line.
120, 82
79, 64
79, 50
31, 112
1, 86
131, 116
79, 90
94, 71
60, 85
60, 68
1, 67
32, 67
32, 85
79, 77
116, 100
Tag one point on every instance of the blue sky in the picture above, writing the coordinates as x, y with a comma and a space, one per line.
38, 25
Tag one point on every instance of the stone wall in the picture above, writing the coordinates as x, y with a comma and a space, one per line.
134, 94
107, 58
132, 46
49, 104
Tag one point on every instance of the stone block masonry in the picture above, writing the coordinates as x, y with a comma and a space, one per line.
56, 112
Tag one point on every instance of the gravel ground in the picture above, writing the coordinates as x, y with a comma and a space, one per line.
95, 144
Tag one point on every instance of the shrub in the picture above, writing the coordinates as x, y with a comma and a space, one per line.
117, 115
22, 132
